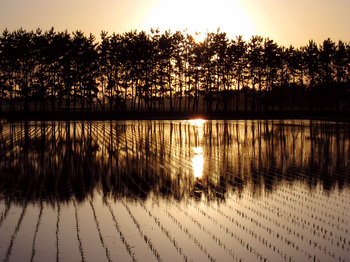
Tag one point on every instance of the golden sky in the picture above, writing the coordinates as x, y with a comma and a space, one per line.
285, 21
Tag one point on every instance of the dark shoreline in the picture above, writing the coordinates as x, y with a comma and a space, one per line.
127, 115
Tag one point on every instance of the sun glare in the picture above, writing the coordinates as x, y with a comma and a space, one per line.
199, 17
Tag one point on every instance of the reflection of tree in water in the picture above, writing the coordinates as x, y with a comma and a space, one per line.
315, 152
40, 163
55, 161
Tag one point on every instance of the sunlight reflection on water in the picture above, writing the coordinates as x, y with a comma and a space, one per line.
198, 162
198, 158
197, 122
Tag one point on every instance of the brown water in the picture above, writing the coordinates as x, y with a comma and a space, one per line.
175, 190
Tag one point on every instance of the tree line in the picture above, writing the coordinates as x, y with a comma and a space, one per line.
169, 71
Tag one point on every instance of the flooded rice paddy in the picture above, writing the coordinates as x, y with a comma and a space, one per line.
175, 191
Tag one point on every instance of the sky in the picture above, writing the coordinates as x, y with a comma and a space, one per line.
287, 22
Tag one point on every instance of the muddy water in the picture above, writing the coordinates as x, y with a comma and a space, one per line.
175, 190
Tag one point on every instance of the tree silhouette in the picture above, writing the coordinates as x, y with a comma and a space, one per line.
6, 73
295, 66
238, 61
255, 56
341, 66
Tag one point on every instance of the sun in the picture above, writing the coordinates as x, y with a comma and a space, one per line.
199, 37
198, 17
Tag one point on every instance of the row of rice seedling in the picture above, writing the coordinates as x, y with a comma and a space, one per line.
120, 232
99, 232
170, 239
36, 233
142, 234
166, 232
9, 236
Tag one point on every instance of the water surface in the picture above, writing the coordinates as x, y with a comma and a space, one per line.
174, 190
